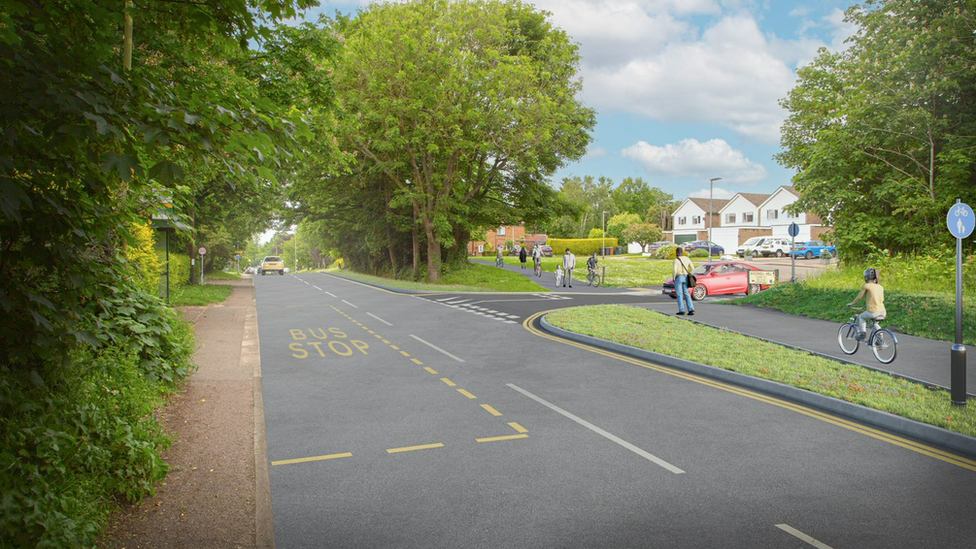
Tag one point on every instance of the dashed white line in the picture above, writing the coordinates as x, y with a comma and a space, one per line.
599, 431
317, 288
350, 304
380, 319
800, 535
436, 348
330, 293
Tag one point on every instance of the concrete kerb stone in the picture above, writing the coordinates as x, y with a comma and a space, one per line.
896, 424
251, 354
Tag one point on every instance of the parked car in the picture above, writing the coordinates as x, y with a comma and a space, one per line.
545, 249
775, 246
719, 278
272, 264
655, 246
704, 245
813, 248
752, 245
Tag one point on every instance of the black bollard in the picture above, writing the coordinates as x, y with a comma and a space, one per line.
958, 375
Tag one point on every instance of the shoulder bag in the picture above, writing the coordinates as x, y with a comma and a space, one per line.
692, 281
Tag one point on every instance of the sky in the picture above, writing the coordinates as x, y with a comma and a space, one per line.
687, 90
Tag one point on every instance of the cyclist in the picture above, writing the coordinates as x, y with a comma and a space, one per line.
875, 301
501, 257
591, 264
536, 257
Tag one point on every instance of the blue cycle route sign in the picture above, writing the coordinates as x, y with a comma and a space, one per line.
961, 220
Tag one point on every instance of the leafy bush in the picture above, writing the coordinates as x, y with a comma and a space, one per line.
698, 253
580, 246
143, 264
666, 252
595, 232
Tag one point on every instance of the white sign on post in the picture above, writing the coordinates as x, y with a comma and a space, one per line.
202, 251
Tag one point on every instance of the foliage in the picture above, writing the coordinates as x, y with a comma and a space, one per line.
595, 232
667, 335
643, 234
882, 134
199, 295
144, 265
580, 246
618, 223
666, 252
179, 270
700, 252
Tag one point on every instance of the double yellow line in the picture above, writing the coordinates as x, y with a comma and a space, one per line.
810, 412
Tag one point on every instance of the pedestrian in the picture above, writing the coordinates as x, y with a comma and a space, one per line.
523, 255
683, 267
569, 263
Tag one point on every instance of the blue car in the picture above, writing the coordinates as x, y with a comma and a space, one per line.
704, 245
812, 249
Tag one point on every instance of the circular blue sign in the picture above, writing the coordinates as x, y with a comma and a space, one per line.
961, 220
794, 229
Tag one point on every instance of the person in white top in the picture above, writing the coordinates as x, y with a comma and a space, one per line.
682, 268
569, 263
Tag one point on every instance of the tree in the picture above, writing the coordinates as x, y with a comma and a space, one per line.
595, 232
619, 222
452, 102
643, 234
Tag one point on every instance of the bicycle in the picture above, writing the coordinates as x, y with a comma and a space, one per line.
592, 279
499, 262
538, 267
883, 342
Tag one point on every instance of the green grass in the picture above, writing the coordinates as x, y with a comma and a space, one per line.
221, 275
197, 295
730, 351
471, 278
621, 273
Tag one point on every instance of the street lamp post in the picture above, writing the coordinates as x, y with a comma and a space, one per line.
711, 185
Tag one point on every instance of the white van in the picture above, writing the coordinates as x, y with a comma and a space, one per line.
752, 245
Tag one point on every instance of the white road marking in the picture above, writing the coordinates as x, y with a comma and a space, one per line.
800, 535
330, 293
436, 348
317, 288
600, 431
350, 304
380, 319
446, 298
458, 302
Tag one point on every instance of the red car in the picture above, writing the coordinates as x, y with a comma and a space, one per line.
719, 278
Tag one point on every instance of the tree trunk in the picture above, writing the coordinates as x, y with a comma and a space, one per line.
416, 241
433, 252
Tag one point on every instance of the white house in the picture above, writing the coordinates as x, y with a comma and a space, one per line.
689, 220
774, 215
739, 221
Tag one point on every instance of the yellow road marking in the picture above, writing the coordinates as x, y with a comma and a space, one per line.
491, 410
417, 362
377, 336
506, 437
394, 347
386, 341
372, 332
313, 458
448, 382
412, 448
404, 353
518, 427
431, 370
930, 451
465, 393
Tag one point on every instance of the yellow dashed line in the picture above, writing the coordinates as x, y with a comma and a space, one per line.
496, 439
412, 448
372, 332
491, 410
431, 370
448, 382
314, 458
465, 393
518, 427
417, 362
386, 341
377, 336
404, 353
394, 347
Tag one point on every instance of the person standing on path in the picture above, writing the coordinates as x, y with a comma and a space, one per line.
683, 267
523, 255
569, 263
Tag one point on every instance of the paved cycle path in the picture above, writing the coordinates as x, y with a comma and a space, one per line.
918, 358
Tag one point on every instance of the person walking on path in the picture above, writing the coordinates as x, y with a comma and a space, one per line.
683, 267
523, 255
569, 263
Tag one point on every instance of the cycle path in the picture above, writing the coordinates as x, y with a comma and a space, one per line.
918, 358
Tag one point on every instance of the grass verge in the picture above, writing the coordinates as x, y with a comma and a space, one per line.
621, 273
470, 278
197, 295
222, 275
730, 351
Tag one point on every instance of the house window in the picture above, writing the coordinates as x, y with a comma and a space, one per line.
501, 231
772, 214
682, 220
730, 218
696, 219
747, 218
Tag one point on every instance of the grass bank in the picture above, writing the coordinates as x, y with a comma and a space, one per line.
730, 351
199, 295
629, 272
222, 275
470, 278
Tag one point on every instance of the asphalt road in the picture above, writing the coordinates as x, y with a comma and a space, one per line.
418, 421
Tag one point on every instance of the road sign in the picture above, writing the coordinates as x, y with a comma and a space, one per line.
794, 229
238, 257
766, 278
961, 220
202, 251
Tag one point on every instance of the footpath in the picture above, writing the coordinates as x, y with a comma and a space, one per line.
216, 494
920, 359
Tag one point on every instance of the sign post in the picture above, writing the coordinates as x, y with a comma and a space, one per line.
794, 230
961, 222
202, 251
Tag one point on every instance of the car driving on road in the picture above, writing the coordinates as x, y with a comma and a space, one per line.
272, 264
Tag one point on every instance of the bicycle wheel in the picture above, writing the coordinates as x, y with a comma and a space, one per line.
847, 338
596, 280
885, 347
589, 279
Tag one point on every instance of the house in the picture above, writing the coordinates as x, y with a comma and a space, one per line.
778, 220
503, 233
740, 220
689, 220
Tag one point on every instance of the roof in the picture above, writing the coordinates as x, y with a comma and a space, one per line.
755, 198
717, 204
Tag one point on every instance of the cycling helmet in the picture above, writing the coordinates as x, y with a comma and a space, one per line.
870, 274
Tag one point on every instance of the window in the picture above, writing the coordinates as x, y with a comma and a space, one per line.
772, 214
501, 231
696, 219
747, 217
682, 220
730, 218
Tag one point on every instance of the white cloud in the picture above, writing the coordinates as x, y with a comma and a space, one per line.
717, 192
595, 152
841, 30
691, 158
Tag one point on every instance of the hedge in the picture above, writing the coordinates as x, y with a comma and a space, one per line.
580, 246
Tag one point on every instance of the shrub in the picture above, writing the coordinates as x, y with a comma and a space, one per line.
179, 270
579, 246
698, 253
666, 252
143, 265
595, 233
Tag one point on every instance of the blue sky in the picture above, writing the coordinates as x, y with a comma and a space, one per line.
687, 90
